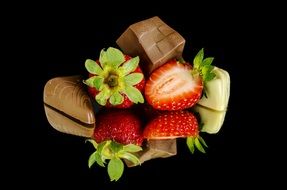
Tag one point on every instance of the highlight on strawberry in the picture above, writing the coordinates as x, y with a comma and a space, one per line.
116, 80
176, 124
118, 136
177, 85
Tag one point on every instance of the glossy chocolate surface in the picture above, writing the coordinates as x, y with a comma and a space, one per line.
68, 107
154, 41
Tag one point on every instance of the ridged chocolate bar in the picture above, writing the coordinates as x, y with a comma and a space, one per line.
154, 41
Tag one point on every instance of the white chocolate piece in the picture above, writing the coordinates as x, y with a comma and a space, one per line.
211, 119
212, 109
217, 90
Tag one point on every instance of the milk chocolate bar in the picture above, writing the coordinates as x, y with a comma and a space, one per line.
153, 41
157, 149
68, 107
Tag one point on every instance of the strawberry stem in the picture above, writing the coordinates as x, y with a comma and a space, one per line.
112, 80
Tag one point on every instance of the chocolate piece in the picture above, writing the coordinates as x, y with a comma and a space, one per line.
68, 107
154, 41
212, 110
157, 149
212, 120
217, 90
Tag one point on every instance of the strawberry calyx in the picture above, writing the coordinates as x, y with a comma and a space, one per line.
114, 77
196, 142
202, 67
114, 152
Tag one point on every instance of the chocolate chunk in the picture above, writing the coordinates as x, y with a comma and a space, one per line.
68, 107
154, 41
157, 149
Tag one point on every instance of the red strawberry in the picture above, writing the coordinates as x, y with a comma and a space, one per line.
172, 124
121, 126
176, 85
118, 133
115, 80
175, 124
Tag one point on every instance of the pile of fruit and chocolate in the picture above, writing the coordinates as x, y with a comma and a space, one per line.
136, 100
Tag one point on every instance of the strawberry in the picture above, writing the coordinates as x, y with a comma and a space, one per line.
177, 85
117, 135
115, 80
121, 126
175, 124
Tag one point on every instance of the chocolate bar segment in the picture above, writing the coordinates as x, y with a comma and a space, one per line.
68, 107
156, 149
154, 41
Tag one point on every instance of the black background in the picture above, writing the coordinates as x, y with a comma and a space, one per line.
55, 41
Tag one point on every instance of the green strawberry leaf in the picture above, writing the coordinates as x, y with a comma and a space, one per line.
93, 67
92, 159
95, 157
130, 157
202, 141
99, 160
116, 147
190, 144
206, 69
116, 98
133, 78
207, 61
134, 94
198, 145
103, 58
114, 57
132, 148
90, 81
203, 66
130, 65
101, 146
102, 97
103, 151
198, 59
94, 143
106, 152
209, 76
98, 82
115, 169
95, 81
